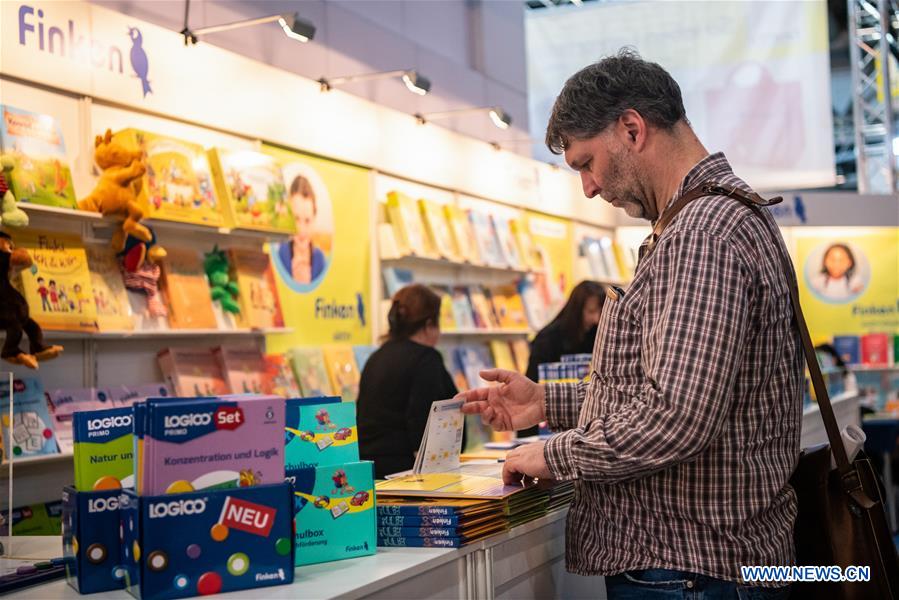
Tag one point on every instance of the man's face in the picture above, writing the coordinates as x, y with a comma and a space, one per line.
607, 168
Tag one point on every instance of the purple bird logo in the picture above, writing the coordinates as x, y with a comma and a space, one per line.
139, 61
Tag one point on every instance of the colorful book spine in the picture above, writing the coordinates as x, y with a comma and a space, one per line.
422, 532
414, 521
420, 542
416, 510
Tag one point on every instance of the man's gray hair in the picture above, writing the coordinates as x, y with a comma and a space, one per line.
594, 98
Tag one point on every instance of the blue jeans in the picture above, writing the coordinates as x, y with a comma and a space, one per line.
666, 584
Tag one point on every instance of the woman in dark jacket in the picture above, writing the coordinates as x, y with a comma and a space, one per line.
573, 331
400, 381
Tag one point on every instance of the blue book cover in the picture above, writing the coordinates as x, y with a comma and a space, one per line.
334, 509
396, 279
362, 354
470, 360
433, 532
31, 431
393, 520
420, 542
848, 348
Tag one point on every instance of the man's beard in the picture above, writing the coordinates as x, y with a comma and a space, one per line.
623, 185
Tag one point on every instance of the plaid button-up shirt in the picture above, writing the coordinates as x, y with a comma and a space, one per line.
683, 442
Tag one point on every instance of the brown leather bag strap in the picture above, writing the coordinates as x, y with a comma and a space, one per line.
754, 202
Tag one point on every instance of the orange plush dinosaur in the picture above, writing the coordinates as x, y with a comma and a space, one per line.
119, 186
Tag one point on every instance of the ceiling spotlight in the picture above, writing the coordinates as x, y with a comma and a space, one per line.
415, 83
294, 27
499, 117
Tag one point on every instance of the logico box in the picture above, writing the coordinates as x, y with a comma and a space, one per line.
334, 509
90, 540
320, 431
201, 543
195, 444
104, 449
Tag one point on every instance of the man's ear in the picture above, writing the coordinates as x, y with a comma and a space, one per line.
634, 129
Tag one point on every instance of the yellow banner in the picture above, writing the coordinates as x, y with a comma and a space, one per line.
322, 272
848, 279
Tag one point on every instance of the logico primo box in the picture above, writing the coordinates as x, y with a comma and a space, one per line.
207, 542
90, 540
320, 431
216, 443
104, 449
335, 512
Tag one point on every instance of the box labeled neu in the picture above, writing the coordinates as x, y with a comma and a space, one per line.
200, 543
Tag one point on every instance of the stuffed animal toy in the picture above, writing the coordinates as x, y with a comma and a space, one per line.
10, 214
14, 317
224, 290
139, 261
120, 184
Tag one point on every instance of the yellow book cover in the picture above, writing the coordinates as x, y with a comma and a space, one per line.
252, 191
178, 185
186, 289
447, 317
406, 221
521, 351
462, 233
260, 307
342, 371
438, 229
311, 374
509, 307
110, 296
502, 355
526, 246
57, 287
625, 266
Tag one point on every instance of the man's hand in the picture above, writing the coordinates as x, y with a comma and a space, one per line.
518, 403
526, 463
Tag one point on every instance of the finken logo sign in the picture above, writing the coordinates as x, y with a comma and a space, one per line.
39, 30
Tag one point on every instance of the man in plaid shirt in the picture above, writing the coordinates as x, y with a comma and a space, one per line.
682, 443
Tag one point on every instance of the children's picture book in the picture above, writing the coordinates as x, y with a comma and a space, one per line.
463, 313
488, 243
406, 220
848, 348
58, 285
471, 359
591, 250
535, 304
395, 279
311, 373
484, 317
502, 355
441, 442
447, 316
526, 246
35, 144
279, 377
178, 185
342, 371
507, 244
63, 403
463, 234
243, 368
192, 372
875, 349
509, 307
31, 430
260, 307
319, 431
186, 289
252, 190
521, 352
610, 258
362, 354
441, 238
127, 395
110, 296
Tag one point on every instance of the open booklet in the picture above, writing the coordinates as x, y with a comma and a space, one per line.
438, 471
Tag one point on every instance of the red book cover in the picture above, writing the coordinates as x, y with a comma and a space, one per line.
875, 349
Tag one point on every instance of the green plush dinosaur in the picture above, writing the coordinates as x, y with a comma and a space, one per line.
10, 214
224, 290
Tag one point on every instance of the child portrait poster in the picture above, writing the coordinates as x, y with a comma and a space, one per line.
848, 279
322, 272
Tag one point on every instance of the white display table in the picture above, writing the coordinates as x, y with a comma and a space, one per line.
524, 562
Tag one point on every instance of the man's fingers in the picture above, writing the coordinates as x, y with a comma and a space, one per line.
474, 407
501, 375
476, 395
510, 475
